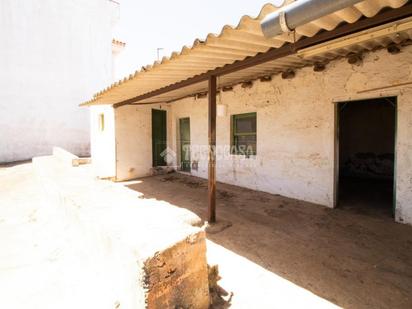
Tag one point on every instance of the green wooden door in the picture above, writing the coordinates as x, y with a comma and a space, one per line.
159, 139
184, 125
395, 105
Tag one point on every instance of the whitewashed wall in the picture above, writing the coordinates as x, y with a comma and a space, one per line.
103, 145
134, 140
295, 130
294, 140
53, 56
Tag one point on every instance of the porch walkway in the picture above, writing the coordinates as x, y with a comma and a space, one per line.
278, 246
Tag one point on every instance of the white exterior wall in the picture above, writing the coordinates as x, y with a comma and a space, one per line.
134, 140
294, 140
103, 146
54, 55
295, 129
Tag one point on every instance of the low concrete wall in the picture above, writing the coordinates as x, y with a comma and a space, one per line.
68, 158
152, 254
175, 277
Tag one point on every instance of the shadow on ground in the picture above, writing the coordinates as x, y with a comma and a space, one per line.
15, 163
351, 259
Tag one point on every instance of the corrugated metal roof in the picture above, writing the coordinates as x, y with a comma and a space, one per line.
118, 43
237, 43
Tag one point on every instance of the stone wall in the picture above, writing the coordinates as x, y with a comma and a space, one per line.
177, 277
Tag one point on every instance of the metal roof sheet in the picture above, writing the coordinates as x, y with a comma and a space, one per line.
118, 43
237, 43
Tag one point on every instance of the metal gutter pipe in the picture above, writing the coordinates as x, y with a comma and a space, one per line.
300, 13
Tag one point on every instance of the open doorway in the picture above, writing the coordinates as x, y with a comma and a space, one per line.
366, 155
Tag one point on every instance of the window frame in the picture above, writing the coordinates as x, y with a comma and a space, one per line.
101, 122
233, 134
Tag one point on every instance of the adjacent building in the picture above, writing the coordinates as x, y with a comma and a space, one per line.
53, 55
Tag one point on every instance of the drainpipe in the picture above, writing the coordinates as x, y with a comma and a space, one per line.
300, 13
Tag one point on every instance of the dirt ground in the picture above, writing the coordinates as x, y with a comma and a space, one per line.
274, 246
272, 252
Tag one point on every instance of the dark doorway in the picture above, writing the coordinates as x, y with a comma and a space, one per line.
366, 149
159, 138
184, 128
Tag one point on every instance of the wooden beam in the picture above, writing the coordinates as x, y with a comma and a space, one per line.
212, 149
276, 53
230, 68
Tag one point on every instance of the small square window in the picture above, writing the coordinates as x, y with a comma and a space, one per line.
243, 134
101, 122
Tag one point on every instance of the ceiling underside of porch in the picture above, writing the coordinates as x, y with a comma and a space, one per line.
288, 62
246, 40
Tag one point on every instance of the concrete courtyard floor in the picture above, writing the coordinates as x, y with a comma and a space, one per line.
272, 252
275, 247
69, 240
46, 259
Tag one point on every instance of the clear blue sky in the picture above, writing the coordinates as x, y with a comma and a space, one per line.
146, 25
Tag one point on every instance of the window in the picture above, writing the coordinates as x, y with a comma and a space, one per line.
101, 122
243, 135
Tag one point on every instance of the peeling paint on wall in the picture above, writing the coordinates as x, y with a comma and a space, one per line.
295, 129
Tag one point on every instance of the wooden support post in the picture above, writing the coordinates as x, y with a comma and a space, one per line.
212, 149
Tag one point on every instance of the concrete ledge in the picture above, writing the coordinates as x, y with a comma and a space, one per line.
162, 244
68, 158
